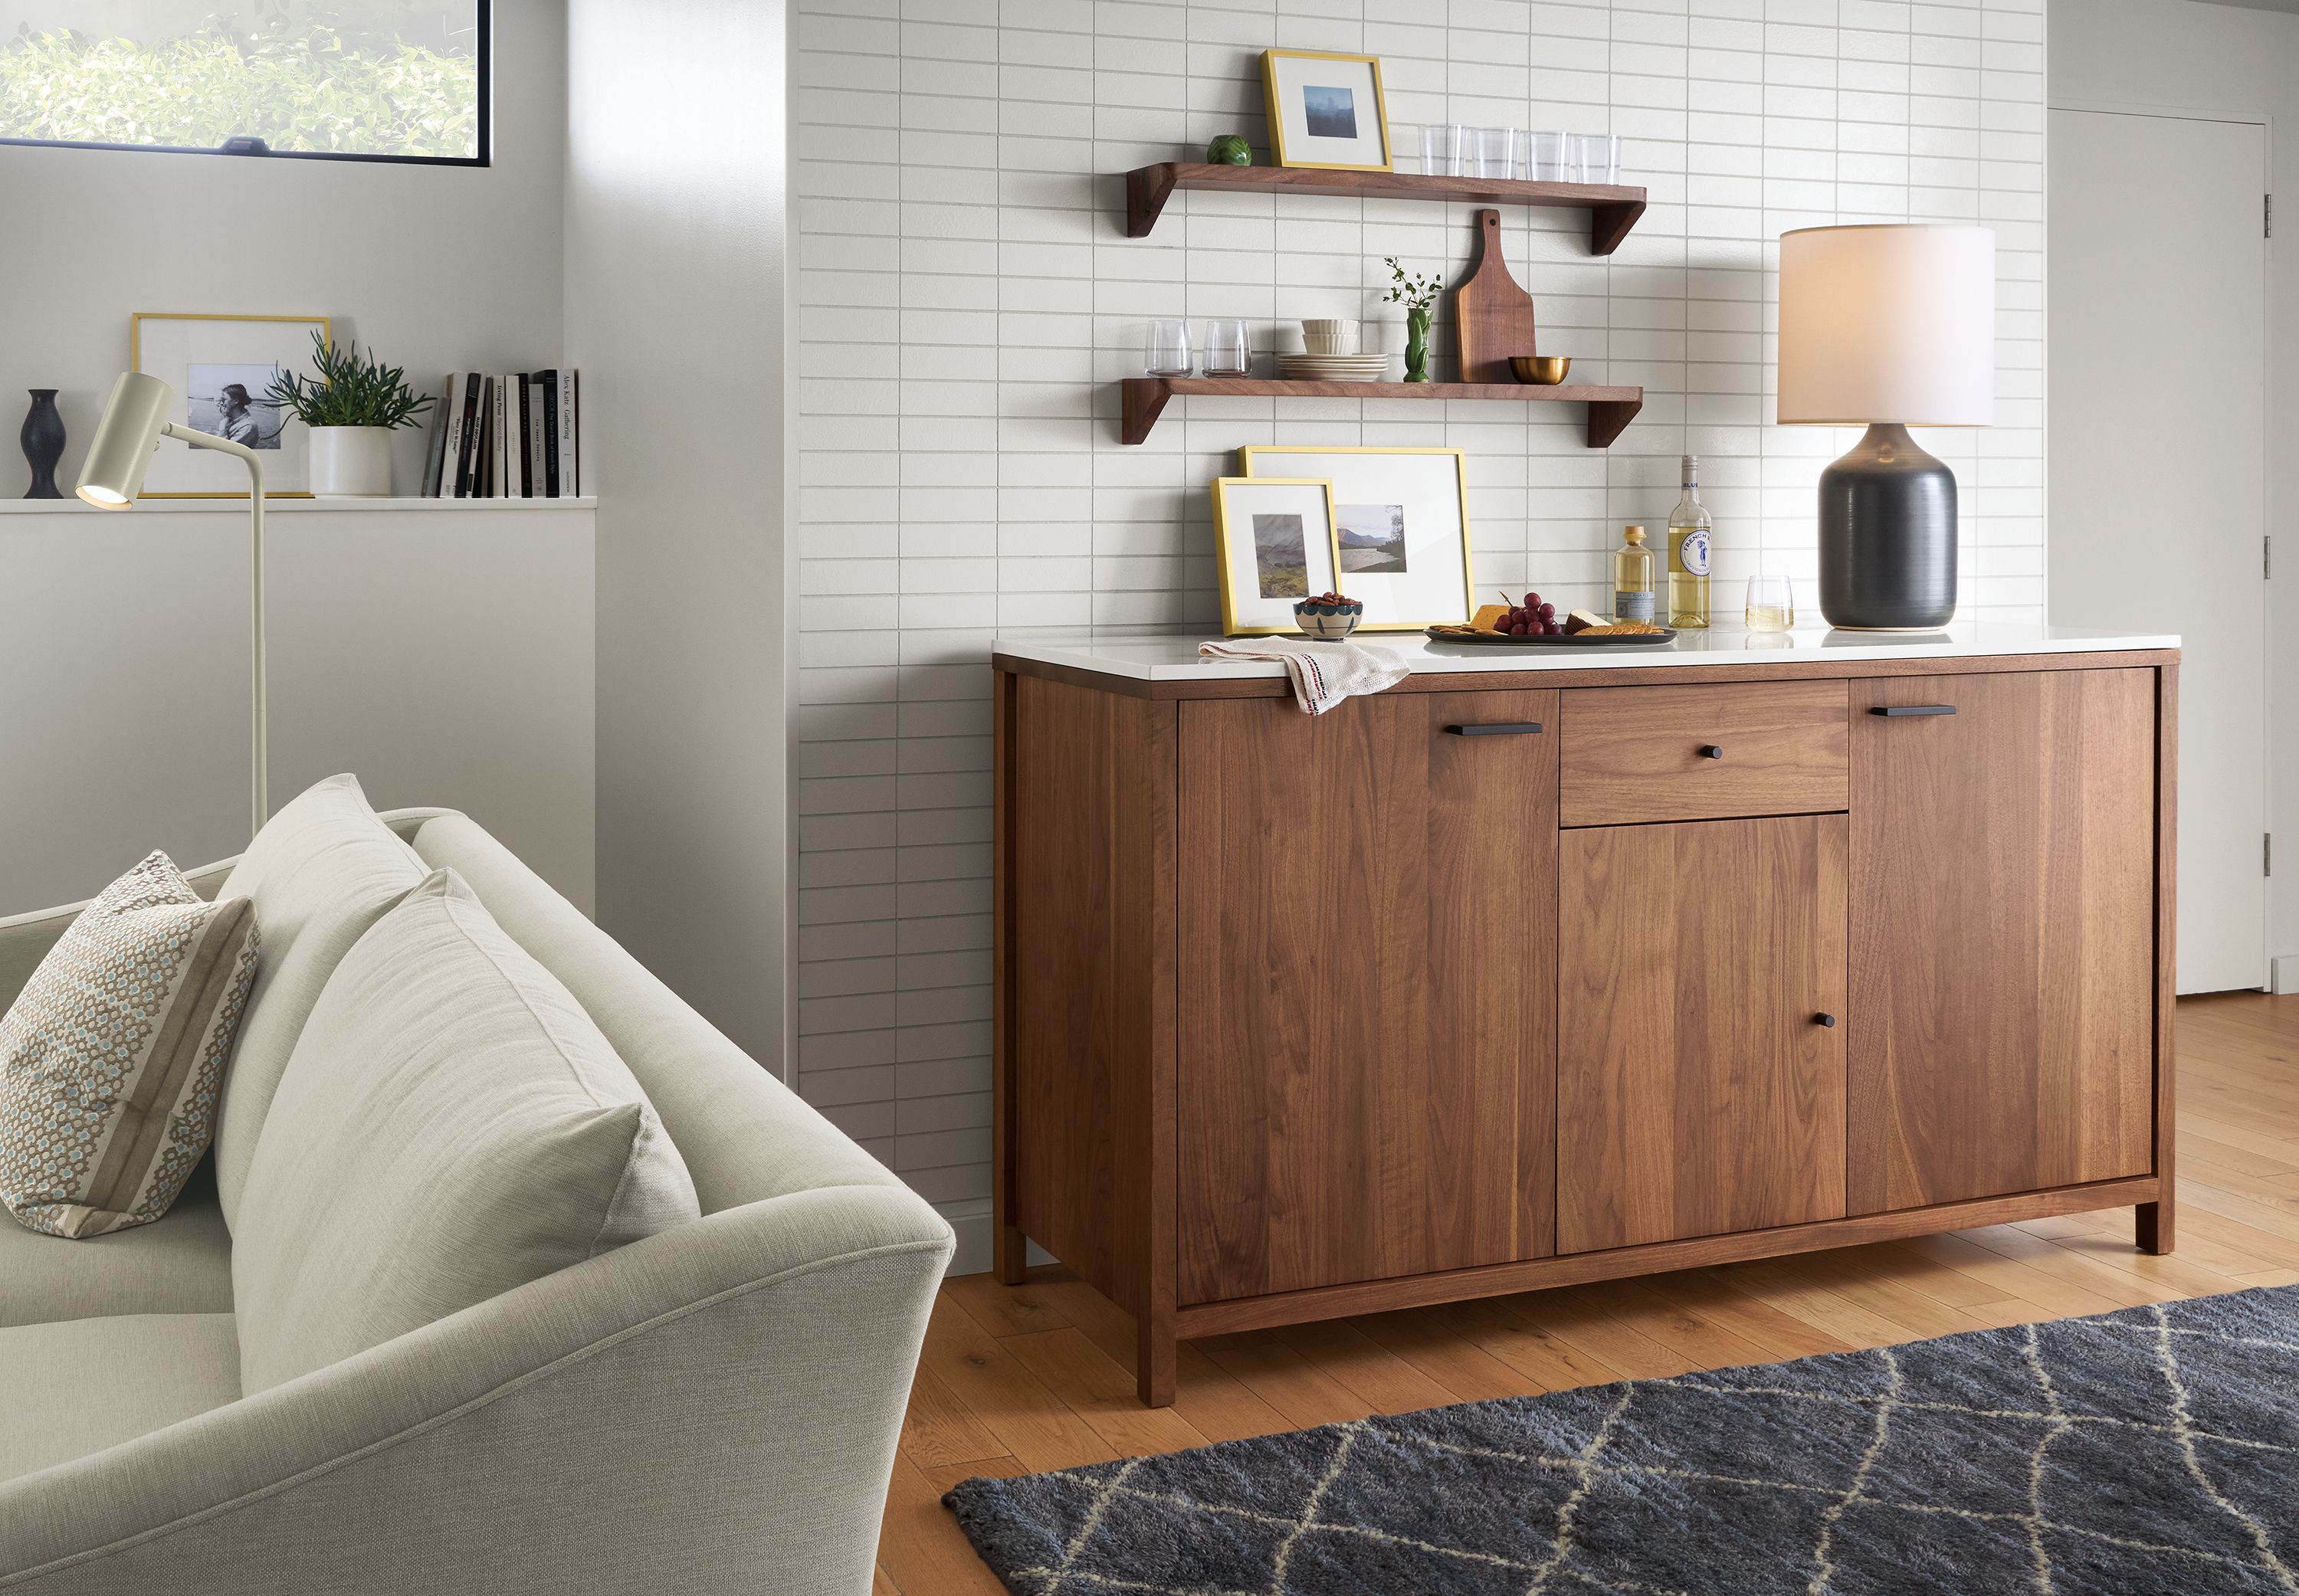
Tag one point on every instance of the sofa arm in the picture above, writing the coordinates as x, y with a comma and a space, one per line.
25, 938
714, 1409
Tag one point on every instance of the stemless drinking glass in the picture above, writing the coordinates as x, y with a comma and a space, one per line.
1772, 604
1225, 351
1598, 156
1448, 150
1497, 151
1167, 351
1549, 157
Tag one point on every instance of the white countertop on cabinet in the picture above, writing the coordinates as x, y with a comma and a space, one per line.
1173, 657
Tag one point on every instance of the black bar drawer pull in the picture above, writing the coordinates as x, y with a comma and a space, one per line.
1496, 729
1896, 710
1828, 1019
1712, 750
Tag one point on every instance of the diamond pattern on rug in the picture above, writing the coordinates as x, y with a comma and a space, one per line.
2149, 1453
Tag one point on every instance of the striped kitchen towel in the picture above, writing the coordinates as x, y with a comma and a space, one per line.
1323, 673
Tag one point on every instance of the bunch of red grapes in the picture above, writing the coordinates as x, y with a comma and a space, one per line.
1533, 618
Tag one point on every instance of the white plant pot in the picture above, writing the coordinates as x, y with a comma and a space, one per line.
351, 462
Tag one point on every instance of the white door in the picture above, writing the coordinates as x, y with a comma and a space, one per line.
2156, 401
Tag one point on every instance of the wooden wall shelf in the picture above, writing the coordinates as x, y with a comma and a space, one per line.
1612, 209
1610, 409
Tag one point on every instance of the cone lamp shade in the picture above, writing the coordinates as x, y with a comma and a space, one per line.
1888, 328
124, 438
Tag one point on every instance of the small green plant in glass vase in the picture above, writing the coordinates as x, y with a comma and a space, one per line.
1418, 295
353, 406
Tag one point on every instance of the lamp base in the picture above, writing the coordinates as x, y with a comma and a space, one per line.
1888, 536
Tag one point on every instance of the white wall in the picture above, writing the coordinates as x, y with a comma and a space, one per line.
438, 268
968, 299
2177, 55
675, 311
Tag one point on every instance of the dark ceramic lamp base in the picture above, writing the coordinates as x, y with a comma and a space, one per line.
1888, 536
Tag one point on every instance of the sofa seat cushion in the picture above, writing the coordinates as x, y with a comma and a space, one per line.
80, 1385
321, 872
181, 1263
452, 1126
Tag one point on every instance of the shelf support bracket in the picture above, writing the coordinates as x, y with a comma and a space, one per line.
1610, 224
1145, 401
1146, 190
1608, 418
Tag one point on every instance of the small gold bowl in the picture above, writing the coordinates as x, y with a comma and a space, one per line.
1542, 370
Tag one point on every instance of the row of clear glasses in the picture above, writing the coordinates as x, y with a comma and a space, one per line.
1456, 149
1167, 350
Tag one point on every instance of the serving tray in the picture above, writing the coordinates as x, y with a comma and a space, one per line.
1582, 640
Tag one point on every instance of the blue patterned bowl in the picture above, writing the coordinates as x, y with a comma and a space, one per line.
1327, 623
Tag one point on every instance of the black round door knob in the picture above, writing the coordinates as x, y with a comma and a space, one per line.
1823, 1020
1711, 750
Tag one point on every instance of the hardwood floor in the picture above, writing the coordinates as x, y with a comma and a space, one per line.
1018, 1379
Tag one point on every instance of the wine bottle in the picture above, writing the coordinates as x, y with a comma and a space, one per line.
1632, 577
1688, 553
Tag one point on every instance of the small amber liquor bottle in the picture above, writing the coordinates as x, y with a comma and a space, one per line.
1632, 577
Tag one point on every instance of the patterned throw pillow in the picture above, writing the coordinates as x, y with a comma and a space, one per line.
113, 1057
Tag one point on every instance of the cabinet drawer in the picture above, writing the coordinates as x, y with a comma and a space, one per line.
1710, 752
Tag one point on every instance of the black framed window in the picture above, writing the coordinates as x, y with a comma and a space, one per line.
403, 80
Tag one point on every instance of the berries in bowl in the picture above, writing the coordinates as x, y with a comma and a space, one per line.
1328, 617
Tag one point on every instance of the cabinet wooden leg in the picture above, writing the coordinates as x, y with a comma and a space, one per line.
2152, 1223
1009, 1255
1154, 1361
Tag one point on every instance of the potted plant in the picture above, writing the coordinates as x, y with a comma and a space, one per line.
353, 408
1418, 295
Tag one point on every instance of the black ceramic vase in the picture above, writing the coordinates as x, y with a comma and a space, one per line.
43, 438
1888, 536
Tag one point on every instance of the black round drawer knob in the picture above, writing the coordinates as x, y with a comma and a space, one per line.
1823, 1018
1711, 750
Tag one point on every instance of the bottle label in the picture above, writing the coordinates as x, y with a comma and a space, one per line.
1692, 553
1632, 607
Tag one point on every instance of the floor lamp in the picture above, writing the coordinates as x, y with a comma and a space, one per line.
135, 420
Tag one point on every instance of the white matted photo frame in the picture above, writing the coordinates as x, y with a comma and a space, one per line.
221, 369
1326, 111
1400, 526
1276, 537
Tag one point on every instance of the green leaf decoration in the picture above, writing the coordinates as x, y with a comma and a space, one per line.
350, 391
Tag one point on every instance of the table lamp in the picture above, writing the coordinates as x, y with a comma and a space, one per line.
135, 420
1888, 328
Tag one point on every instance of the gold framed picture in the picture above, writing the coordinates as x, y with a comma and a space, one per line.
1325, 110
221, 369
1400, 526
1275, 534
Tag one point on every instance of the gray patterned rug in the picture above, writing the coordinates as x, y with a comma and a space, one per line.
2150, 1451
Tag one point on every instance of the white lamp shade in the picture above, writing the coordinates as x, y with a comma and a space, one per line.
1891, 323
114, 474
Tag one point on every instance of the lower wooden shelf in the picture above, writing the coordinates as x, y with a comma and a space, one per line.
1610, 409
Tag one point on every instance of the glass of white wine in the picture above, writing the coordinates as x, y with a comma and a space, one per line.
1772, 604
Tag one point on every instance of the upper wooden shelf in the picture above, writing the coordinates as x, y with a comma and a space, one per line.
1610, 409
1613, 211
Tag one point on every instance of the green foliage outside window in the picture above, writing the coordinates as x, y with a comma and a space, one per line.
294, 88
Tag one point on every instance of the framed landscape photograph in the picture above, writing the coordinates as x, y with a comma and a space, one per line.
1326, 111
1276, 537
221, 368
1400, 526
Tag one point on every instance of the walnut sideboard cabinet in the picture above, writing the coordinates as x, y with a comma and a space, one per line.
1537, 969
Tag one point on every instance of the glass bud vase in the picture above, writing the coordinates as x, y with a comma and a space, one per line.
1416, 344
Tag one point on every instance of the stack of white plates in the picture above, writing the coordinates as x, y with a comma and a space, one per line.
1333, 368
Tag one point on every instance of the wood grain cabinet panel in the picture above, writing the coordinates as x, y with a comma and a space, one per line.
1366, 1084
1701, 751
1699, 1088
2003, 957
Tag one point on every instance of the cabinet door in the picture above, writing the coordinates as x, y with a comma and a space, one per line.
2002, 934
1699, 1088
1368, 920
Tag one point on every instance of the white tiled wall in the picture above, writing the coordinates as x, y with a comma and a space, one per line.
968, 299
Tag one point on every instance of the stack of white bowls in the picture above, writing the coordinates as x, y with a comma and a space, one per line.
1329, 354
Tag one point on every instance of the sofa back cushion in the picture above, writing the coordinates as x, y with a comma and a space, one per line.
451, 1126
322, 870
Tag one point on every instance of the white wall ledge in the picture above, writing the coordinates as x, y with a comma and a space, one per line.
74, 507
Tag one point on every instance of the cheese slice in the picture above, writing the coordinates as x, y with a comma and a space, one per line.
1487, 617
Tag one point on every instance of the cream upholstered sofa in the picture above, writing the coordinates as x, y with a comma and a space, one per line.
711, 1409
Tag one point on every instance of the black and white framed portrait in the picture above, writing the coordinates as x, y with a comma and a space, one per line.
222, 369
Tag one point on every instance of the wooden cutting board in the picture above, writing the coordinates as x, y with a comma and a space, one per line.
1493, 314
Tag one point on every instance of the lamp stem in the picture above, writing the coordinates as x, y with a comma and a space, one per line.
259, 669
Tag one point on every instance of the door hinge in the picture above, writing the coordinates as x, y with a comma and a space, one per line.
2267, 854
2266, 557
2267, 216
